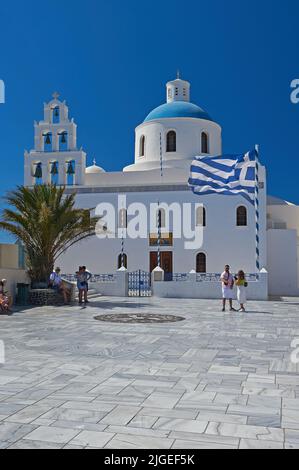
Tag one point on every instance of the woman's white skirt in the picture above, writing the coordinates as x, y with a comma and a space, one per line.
241, 294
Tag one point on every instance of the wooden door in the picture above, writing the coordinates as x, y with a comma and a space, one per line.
166, 263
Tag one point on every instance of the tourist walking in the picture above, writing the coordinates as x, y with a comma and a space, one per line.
57, 284
241, 283
227, 280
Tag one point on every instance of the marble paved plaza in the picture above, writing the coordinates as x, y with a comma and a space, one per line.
211, 381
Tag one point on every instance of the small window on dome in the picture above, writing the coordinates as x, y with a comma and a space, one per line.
142, 146
169, 93
176, 91
204, 142
171, 142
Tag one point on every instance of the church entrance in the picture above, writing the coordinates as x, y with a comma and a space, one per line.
166, 263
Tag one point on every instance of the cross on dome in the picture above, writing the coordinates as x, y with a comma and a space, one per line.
56, 95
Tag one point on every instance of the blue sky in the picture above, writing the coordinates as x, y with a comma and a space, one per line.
111, 60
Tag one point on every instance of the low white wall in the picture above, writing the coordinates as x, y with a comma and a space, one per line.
13, 277
192, 289
118, 287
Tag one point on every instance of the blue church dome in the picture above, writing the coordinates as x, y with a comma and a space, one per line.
178, 109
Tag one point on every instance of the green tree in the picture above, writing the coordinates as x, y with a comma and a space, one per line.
47, 222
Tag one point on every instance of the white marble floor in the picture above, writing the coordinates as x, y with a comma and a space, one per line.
211, 381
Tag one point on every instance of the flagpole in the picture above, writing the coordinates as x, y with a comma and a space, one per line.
158, 215
123, 225
257, 210
122, 249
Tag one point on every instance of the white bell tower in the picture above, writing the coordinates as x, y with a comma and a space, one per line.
55, 157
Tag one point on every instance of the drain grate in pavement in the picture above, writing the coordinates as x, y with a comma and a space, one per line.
139, 318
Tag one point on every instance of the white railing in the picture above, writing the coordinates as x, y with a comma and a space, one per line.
208, 277
180, 277
215, 277
102, 278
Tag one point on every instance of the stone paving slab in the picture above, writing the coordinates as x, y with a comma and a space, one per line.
212, 381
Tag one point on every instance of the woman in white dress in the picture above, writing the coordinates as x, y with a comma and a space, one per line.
241, 290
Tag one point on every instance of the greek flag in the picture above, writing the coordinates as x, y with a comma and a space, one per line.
227, 174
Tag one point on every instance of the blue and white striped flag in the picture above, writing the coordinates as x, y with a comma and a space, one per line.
227, 174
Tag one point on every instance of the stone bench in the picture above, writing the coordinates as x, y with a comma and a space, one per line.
45, 297
50, 296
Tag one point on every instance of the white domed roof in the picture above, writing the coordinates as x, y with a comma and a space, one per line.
94, 169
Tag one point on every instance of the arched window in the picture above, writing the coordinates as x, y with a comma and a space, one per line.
63, 141
161, 218
171, 141
241, 216
56, 115
200, 217
201, 263
122, 261
48, 142
142, 146
122, 218
204, 142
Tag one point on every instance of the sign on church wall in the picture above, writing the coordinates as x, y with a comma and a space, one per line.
166, 239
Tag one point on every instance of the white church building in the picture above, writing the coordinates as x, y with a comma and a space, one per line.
166, 143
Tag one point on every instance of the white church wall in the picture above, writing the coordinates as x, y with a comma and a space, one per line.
223, 241
287, 214
282, 262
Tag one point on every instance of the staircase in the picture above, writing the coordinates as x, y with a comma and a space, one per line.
92, 294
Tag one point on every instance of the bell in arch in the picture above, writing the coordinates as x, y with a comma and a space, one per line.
70, 169
63, 138
38, 171
54, 169
48, 139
